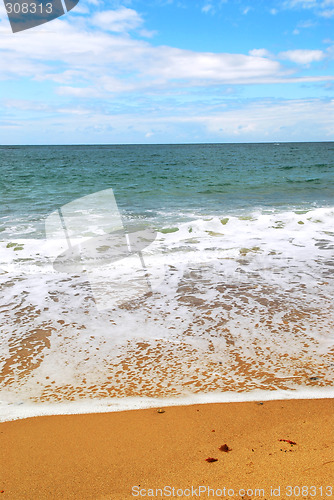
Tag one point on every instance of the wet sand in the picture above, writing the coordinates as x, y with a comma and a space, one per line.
132, 454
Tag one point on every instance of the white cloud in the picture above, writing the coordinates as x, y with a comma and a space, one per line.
85, 54
300, 56
327, 13
306, 24
25, 105
74, 111
213, 6
89, 61
320, 7
120, 20
170, 63
305, 4
104, 62
78, 91
303, 25
147, 33
246, 10
260, 53
116, 62
93, 65
270, 120
207, 8
274, 119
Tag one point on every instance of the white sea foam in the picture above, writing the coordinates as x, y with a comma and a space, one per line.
237, 304
20, 410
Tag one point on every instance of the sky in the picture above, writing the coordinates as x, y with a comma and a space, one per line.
170, 71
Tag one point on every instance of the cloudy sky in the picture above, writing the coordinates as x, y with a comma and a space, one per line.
171, 71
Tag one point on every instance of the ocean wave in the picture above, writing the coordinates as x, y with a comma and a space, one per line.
213, 304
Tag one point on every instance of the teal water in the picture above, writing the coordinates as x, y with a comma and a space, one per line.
234, 294
164, 184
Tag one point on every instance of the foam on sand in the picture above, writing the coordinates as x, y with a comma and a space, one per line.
239, 303
19, 410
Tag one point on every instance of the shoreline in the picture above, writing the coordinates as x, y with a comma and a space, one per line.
11, 411
116, 455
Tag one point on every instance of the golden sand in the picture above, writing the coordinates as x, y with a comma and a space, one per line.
136, 454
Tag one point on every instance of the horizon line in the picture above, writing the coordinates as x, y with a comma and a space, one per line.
166, 143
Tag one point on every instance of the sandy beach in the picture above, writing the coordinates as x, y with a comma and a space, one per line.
162, 454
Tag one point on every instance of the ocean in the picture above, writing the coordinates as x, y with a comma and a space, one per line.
138, 274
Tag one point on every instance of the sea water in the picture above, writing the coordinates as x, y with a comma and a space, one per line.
229, 297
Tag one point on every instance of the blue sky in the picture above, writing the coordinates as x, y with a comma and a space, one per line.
171, 71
